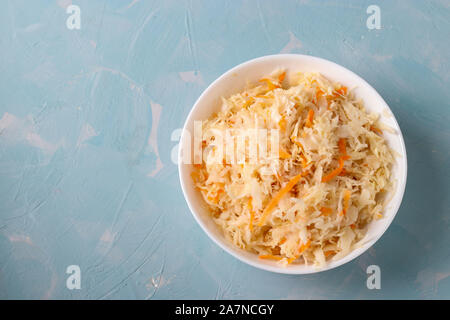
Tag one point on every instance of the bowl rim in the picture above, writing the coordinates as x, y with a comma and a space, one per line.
272, 267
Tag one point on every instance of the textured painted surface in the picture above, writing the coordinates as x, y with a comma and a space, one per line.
86, 123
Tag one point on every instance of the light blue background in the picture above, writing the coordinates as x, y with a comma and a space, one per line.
86, 176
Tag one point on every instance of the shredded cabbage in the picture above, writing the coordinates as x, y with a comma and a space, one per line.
326, 141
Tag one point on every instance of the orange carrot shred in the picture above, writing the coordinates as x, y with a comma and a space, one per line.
326, 211
319, 93
274, 201
342, 146
249, 102
282, 124
376, 130
305, 162
309, 119
270, 84
340, 92
329, 253
281, 77
297, 143
284, 154
252, 214
270, 257
301, 249
347, 195
336, 171
216, 198
289, 261
195, 176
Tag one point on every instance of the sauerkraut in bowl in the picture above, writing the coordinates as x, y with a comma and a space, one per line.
294, 170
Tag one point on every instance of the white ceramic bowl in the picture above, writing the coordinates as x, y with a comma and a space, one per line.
234, 81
